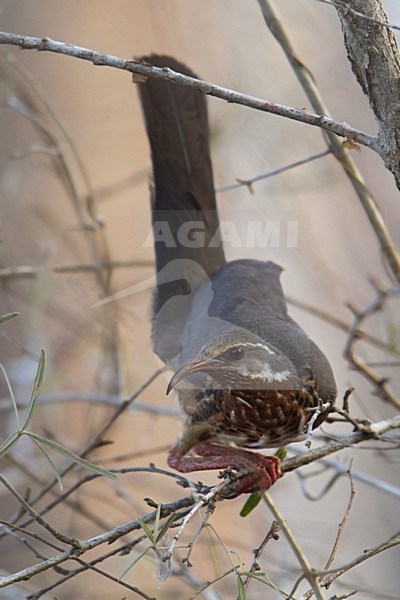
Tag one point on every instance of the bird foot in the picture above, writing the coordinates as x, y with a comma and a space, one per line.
248, 471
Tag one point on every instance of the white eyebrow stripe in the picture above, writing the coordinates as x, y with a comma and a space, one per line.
257, 345
271, 376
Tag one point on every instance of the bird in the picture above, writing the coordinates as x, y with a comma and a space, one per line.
248, 377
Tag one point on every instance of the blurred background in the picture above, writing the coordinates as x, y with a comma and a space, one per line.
74, 166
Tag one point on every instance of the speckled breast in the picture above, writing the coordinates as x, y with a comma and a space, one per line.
258, 418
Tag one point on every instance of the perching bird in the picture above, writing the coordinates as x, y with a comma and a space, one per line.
247, 375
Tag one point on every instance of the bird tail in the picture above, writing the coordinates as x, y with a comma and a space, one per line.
185, 220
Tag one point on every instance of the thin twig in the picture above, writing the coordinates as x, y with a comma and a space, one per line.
231, 96
342, 469
85, 566
36, 517
106, 537
92, 398
340, 324
391, 543
210, 583
375, 431
26, 271
380, 384
249, 182
341, 524
348, 8
271, 535
308, 571
94, 443
308, 84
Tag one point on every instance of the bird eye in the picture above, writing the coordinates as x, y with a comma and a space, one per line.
235, 354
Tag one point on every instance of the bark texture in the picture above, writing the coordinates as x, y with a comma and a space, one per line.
374, 56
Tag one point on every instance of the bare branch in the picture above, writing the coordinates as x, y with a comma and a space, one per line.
332, 319
26, 271
308, 571
377, 72
375, 430
381, 384
394, 541
273, 534
108, 537
307, 82
341, 524
362, 15
108, 60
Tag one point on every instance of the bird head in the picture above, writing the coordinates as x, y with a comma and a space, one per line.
238, 359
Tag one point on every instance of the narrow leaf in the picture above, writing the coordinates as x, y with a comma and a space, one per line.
133, 563
71, 455
146, 529
10, 391
262, 577
250, 504
9, 443
241, 588
35, 389
165, 527
8, 316
157, 522
281, 453
51, 464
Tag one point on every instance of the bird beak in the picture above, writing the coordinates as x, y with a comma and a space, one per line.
200, 363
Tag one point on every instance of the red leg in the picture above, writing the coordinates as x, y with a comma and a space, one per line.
254, 471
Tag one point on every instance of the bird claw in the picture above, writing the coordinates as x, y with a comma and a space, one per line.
246, 471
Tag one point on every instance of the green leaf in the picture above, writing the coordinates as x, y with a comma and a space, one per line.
165, 527
147, 530
9, 443
10, 391
241, 588
157, 521
71, 455
250, 504
263, 578
8, 316
133, 563
281, 453
35, 389
51, 464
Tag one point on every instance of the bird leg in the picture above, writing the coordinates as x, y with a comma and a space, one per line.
254, 471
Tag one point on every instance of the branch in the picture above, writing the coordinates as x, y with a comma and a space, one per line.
27, 271
231, 96
307, 82
184, 504
341, 524
318, 120
107, 537
394, 541
381, 384
375, 60
375, 430
362, 15
308, 571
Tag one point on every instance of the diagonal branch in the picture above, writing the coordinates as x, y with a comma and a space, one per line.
231, 96
184, 504
307, 82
